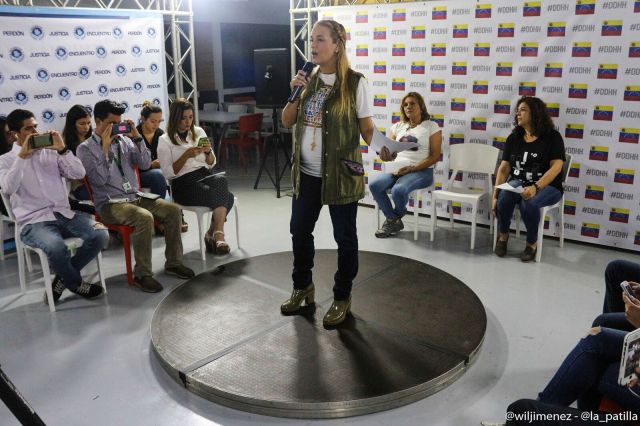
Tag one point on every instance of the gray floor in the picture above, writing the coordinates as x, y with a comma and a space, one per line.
91, 361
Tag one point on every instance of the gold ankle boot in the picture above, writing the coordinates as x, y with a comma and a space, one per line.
337, 312
293, 303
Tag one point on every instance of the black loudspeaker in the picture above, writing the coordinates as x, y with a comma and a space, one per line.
272, 76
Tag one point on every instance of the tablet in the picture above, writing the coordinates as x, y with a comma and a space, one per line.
630, 357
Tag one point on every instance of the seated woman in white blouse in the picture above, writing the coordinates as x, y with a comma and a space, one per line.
185, 160
416, 169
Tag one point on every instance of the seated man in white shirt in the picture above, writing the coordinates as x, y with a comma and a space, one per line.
32, 178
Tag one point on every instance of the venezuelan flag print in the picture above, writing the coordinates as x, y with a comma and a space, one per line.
379, 101
456, 206
553, 69
458, 104
625, 176
527, 88
506, 29
437, 86
581, 49
461, 31
608, 71
480, 87
636, 239
504, 69
556, 29
569, 207
379, 67
483, 11
585, 7
439, 13
418, 32
632, 93
590, 230
438, 119
529, 49
553, 109
377, 165
459, 68
364, 148
362, 17
574, 171
397, 49
478, 123
611, 28
634, 49
397, 84
499, 142
395, 117
502, 107
599, 153
578, 91
380, 33
482, 49
456, 138
574, 131
629, 135
362, 50
619, 215
399, 15
603, 113
417, 67
593, 192
531, 8
439, 49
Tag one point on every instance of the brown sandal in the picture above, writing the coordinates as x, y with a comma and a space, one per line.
185, 226
221, 245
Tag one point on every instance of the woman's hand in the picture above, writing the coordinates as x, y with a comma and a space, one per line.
299, 79
405, 170
155, 164
529, 192
631, 310
192, 152
494, 206
386, 155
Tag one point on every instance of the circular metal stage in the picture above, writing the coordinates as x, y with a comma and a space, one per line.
414, 330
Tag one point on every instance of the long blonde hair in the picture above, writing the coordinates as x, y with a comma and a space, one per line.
344, 106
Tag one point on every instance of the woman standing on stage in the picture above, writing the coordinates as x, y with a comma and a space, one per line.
331, 115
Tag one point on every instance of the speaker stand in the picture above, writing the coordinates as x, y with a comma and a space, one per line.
276, 144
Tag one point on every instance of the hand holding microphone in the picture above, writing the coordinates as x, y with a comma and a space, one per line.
299, 82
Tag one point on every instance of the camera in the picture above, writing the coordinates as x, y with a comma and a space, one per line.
203, 141
120, 128
41, 141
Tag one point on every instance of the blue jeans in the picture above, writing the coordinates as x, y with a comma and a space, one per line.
155, 181
591, 371
400, 189
616, 272
529, 209
305, 209
49, 236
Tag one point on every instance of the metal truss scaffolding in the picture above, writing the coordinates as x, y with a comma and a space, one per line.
178, 35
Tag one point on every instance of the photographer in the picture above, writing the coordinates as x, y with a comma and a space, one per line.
31, 175
112, 153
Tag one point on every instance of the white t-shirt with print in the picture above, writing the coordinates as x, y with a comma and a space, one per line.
311, 149
420, 134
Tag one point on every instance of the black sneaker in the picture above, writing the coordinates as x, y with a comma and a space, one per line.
528, 254
88, 291
57, 287
390, 227
180, 271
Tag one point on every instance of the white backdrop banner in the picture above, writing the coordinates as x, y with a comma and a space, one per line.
51, 59
472, 60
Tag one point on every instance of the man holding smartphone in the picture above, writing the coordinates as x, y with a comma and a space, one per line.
112, 153
31, 175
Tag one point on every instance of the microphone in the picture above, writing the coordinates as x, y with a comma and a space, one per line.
295, 94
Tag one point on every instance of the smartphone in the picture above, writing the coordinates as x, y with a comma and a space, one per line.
203, 141
41, 141
626, 288
120, 128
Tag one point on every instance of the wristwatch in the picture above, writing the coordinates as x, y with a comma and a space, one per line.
537, 187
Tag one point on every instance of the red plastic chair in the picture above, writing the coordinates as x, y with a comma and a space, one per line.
125, 231
249, 136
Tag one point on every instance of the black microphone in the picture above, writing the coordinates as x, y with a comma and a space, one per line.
295, 94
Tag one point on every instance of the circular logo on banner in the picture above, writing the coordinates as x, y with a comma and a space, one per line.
48, 116
21, 97
79, 33
101, 52
156, 101
103, 90
153, 68
137, 87
61, 53
16, 54
136, 51
151, 32
84, 72
121, 70
125, 104
43, 75
89, 109
37, 32
117, 32
64, 94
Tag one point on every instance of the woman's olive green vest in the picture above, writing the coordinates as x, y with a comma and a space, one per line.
340, 140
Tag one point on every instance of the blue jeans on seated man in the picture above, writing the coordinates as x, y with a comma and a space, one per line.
155, 181
400, 187
529, 209
49, 236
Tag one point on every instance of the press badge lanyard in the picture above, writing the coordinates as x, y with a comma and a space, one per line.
118, 159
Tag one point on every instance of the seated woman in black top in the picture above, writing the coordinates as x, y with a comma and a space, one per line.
77, 129
532, 158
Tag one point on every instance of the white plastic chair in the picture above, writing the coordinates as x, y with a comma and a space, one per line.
558, 207
237, 108
203, 216
3, 219
468, 157
71, 243
416, 194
